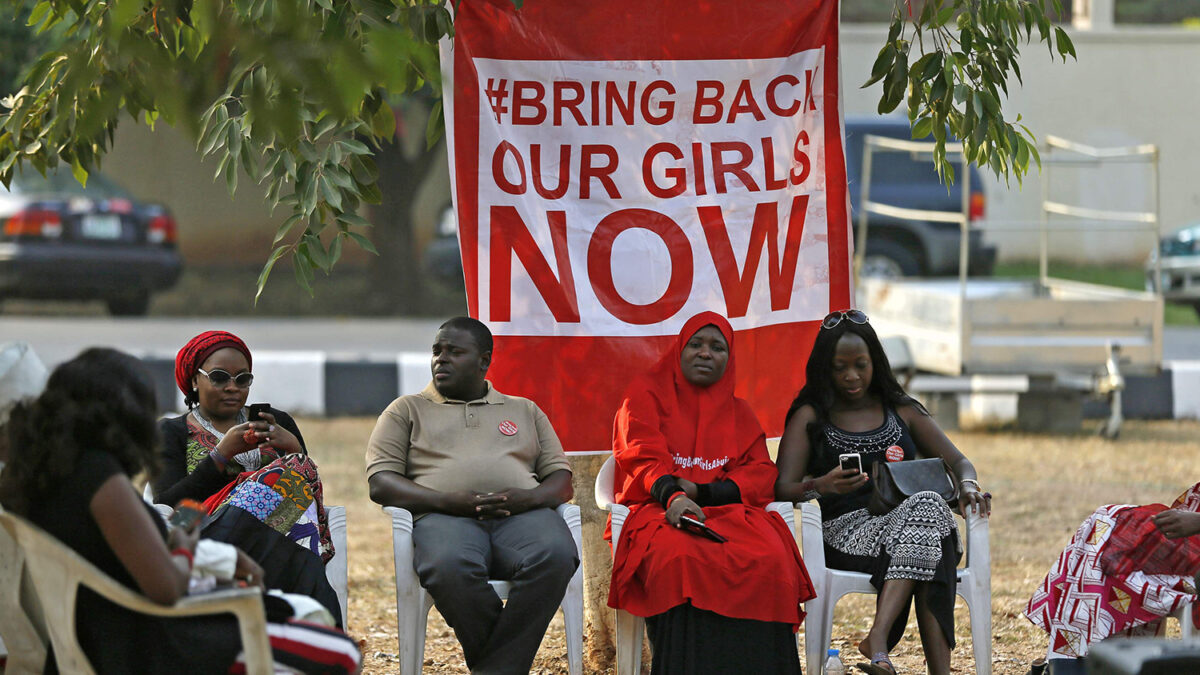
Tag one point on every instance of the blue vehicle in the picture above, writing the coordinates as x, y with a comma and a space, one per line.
911, 248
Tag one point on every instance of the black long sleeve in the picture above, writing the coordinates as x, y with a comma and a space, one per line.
718, 493
663, 488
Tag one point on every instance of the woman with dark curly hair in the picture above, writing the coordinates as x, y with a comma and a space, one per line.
851, 403
73, 452
255, 477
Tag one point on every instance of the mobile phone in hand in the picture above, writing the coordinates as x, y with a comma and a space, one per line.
696, 527
850, 461
256, 410
187, 514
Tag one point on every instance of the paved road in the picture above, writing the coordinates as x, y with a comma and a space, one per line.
59, 338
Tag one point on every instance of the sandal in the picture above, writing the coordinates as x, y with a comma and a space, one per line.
875, 667
1038, 667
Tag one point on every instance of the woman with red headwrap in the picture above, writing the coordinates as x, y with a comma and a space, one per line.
686, 447
254, 477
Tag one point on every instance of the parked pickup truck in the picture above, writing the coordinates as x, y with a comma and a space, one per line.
908, 248
895, 248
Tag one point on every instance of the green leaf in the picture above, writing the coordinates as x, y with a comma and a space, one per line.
339, 177
883, 64
1065, 46
266, 271
335, 250
931, 67
922, 128
433, 129
383, 122
354, 146
331, 195
231, 175
79, 172
944, 15
353, 219
316, 251
286, 227
302, 269
363, 243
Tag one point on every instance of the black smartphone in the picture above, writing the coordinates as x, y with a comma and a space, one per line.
850, 461
256, 409
188, 513
696, 527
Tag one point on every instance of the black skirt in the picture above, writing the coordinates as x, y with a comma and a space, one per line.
287, 566
689, 641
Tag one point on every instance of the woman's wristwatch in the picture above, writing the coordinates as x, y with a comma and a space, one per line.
972, 481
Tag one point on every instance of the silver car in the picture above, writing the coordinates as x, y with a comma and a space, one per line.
1180, 281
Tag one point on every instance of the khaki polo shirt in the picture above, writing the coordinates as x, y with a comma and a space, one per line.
490, 444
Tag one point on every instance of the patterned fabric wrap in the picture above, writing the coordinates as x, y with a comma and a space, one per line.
292, 479
257, 499
1077, 604
911, 534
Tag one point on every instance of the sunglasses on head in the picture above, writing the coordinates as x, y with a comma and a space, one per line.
219, 378
832, 319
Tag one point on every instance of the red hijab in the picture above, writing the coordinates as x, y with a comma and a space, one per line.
667, 425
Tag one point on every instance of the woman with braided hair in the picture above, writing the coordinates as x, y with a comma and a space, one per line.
255, 477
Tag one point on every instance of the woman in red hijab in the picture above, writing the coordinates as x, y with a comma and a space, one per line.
685, 446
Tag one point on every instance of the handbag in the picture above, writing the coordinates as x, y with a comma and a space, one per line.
893, 482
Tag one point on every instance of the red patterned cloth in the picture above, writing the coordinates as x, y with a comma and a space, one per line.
1079, 603
1136, 544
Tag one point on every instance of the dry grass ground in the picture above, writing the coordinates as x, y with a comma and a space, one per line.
1043, 486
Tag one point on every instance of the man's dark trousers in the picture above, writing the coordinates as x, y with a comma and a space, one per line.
454, 557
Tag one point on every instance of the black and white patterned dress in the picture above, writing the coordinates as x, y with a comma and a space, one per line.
917, 540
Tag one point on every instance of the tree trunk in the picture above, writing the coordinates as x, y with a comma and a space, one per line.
404, 164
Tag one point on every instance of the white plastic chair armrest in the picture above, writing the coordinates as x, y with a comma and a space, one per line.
978, 554
787, 511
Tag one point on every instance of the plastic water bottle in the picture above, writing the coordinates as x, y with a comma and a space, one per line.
833, 664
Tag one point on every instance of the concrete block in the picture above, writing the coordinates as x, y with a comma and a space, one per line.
1054, 411
360, 387
1185, 381
292, 381
415, 372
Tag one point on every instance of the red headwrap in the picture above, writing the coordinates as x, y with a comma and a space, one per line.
198, 349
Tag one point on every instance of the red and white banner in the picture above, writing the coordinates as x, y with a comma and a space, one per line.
620, 166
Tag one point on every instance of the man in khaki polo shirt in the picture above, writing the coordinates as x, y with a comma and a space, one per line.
482, 473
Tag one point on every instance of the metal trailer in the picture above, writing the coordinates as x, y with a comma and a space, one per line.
1065, 335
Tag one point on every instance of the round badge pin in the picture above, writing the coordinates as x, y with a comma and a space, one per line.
894, 453
508, 428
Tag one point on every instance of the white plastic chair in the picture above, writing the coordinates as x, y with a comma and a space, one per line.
630, 627
413, 602
336, 571
974, 585
52, 585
